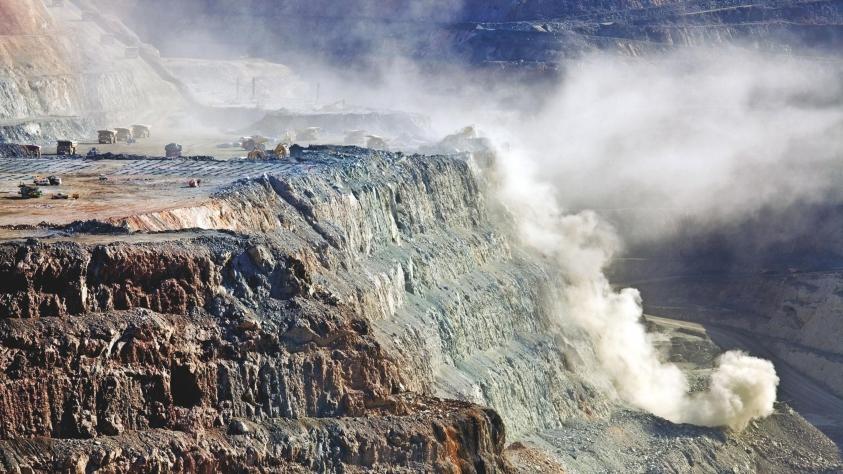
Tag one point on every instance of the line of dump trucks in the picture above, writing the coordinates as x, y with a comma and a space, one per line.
255, 146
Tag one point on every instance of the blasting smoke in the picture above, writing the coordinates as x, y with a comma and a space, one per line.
742, 388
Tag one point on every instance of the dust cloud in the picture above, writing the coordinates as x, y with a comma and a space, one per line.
713, 136
710, 136
742, 388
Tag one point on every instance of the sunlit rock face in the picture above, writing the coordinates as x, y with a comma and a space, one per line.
365, 310
511, 35
64, 71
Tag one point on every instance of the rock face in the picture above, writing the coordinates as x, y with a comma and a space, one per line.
514, 35
321, 320
196, 351
770, 282
63, 71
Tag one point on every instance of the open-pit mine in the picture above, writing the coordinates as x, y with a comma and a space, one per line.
400, 237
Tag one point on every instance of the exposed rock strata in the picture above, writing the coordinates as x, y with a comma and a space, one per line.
323, 312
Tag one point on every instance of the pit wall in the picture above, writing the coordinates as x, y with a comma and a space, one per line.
59, 78
192, 332
409, 243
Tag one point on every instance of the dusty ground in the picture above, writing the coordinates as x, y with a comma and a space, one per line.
132, 186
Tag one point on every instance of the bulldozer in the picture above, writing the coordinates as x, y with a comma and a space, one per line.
29, 192
107, 137
66, 148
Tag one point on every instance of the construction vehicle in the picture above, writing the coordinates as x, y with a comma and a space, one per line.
257, 154
141, 131
123, 135
281, 151
39, 181
66, 148
31, 151
173, 150
29, 192
107, 137
54, 180
254, 142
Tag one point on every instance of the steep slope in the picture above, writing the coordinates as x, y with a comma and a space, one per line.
62, 73
513, 35
315, 324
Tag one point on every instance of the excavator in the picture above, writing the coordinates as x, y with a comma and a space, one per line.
280, 152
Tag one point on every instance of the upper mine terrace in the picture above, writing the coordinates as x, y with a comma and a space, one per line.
139, 193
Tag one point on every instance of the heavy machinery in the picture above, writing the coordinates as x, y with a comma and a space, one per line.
257, 154
173, 150
39, 181
254, 142
107, 137
124, 135
66, 148
141, 131
31, 151
54, 180
281, 151
29, 192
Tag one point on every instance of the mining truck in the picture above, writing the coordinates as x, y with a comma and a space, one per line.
173, 150
107, 137
123, 135
66, 148
31, 151
29, 192
141, 131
